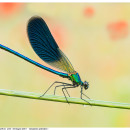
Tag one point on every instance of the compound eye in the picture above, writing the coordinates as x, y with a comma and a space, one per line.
86, 85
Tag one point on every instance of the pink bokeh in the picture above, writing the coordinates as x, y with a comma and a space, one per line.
8, 9
89, 12
118, 30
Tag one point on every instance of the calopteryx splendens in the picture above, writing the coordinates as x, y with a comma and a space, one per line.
47, 49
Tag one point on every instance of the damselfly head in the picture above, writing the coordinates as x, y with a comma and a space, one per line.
86, 85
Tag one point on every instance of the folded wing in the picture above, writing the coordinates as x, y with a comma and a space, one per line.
45, 46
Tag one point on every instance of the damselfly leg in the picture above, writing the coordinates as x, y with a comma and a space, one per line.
62, 83
84, 95
61, 86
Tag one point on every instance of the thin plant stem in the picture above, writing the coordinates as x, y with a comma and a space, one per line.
62, 99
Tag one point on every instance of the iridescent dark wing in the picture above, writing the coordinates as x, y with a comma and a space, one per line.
45, 46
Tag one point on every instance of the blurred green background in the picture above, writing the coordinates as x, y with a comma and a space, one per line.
96, 39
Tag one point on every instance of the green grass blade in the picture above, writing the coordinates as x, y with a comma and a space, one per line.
62, 99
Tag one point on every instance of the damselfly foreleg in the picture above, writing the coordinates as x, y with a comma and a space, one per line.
84, 95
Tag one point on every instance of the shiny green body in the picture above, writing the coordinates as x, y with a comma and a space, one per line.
75, 78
